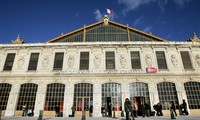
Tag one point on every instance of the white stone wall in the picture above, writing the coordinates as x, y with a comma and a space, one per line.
97, 74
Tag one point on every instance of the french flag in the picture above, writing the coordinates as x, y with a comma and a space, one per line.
109, 11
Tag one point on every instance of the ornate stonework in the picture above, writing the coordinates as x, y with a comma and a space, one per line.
97, 61
71, 61
122, 61
148, 60
174, 60
21, 61
45, 62
197, 59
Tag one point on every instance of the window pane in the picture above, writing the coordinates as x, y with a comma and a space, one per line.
161, 60
58, 61
33, 61
4, 95
84, 60
135, 60
110, 60
9, 61
186, 60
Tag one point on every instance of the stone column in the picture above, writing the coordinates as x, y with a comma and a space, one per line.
125, 93
12, 101
40, 98
97, 100
153, 94
68, 99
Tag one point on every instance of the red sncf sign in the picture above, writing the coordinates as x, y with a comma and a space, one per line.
151, 69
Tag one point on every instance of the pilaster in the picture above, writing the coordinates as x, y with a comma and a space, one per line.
12, 101
97, 100
153, 94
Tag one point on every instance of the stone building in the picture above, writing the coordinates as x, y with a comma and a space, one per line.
99, 65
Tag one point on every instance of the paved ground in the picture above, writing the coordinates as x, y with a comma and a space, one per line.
103, 118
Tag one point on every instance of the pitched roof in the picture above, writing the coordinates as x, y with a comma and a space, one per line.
115, 29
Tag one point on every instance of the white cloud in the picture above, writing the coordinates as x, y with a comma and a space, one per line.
147, 29
138, 21
135, 4
98, 15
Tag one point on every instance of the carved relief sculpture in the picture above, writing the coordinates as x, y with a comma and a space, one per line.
20, 62
71, 61
197, 59
148, 60
97, 61
45, 62
122, 61
174, 60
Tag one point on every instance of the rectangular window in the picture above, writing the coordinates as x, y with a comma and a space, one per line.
9, 61
33, 61
58, 61
110, 60
84, 61
187, 64
135, 60
161, 60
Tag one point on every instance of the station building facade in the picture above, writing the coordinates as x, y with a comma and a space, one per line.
99, 65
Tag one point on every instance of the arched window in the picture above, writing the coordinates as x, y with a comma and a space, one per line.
27, 95
139, 92
193, 94
54, 96
83, 96
167, 93
4, 95
111, 97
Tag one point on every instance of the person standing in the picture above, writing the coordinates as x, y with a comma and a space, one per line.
159, 110
91, 110
24, 107
128, 109
184, 108
172, 110
57, 110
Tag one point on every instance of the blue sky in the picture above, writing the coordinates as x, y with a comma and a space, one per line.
42, 20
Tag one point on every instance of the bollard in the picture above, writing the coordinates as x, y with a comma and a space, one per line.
0, 114
40, 115
83, 115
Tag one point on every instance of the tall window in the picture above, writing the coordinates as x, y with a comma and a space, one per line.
27, 95
193, 94
84, 61
135, 60
33, 61
110, 60
83, 96
4, 95
54, 96
9, 61
161, 60
167, 93
58, 61
187, 64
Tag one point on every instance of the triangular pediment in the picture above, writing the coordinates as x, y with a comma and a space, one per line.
106, 32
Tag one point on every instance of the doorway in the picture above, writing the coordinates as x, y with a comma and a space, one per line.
82, 104
139, 102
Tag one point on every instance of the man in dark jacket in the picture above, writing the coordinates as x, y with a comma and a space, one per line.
128, 109
57, 110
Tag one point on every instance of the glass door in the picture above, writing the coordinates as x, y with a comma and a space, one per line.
82, 104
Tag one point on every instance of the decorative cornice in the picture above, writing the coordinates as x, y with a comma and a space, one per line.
18, 41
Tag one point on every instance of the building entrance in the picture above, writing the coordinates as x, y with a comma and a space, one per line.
112, 106
139, 107
82, 104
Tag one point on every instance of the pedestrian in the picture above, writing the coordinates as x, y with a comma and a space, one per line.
128, 109
147, 109
103, 111
73, 108
172, 110
184, 108
159, 110
57, 111
24, 108
30, 112
91, 110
